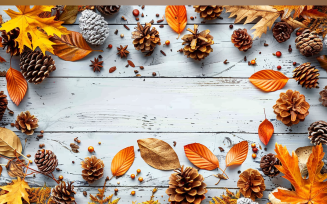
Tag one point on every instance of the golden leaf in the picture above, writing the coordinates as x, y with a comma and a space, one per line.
294, 23
9, 143
287, 9
69, 15
16, 191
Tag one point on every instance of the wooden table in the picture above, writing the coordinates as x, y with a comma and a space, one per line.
208, 102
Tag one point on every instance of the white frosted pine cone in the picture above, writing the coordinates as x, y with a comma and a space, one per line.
245, 201
93, 27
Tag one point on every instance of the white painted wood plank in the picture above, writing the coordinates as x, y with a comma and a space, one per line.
175, 64
157, 105
111, 143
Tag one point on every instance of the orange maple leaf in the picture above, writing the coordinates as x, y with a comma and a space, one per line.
312, 190
289, 8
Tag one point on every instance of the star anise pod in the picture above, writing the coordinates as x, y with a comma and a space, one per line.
122, 51
96, 64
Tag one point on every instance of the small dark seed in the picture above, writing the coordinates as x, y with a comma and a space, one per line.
135, 71
161, 26
157, 14
154, 74
159, 21
231, 26
141, 67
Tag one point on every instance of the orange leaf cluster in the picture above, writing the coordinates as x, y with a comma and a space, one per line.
122, 161
16, 85
269, 80
176, 17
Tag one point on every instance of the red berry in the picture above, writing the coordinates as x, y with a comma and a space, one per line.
298, 33
279, 67
110, 46
294, 63
278, 54
255, 150
136, 12
231, 26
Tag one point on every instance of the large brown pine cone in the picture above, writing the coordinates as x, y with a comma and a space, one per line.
145, 38
306, 75
309, 43
26, 123
108, 9
3, 104
267, 164
209, 12
46, 161
62, 194
251, 184
282, 31
92, 169
197, 45
318, 133
323, 96
35, 66
8, 41
291, 107
186, 186
241, 39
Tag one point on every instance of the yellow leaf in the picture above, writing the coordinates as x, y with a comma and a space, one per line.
16, 191
28, 21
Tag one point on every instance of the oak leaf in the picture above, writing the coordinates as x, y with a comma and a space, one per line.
71, 47
201, 156
268, 14
323, 61
28, 21
237, 154
69, 14
9, 143
176, 17
158, 154
16, 85
268, 80
287, 10
16, 191
310, 190
122, 161
265, 131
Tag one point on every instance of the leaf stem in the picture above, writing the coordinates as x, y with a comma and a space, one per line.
223, 172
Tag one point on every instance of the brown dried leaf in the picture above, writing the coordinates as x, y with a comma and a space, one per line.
15, 169
112, 69
294, 23
130, 63
323, 61
74, 147
1, 20
69, 15
9, 143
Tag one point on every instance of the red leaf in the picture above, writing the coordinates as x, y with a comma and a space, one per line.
237, 154
265, 131
201, 156
268, 80
16, 85
176, 17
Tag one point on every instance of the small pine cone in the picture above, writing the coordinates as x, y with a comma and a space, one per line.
309, 43
209, 12
241, 39
108, 9
46, 161
282, 31
251, 184
245, 201
267, 164
92, 169
8, 41
145, 37
35, 66
3, 104
26, 123
197, 45
291, 107
323, 96
186, 186
318, 133
62, 194
306, 75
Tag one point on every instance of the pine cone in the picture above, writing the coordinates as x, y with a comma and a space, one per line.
62, 194
3, 104
318, 133
186, 186
8, 41
35, 66
245, 201
197, 45
108, 9
93, 27
267, 164
282, 31
251, 184
92, 169
323, 96
241, 39
209, 12
309, 43
291, 107
46, 161
145, 38
306, 75
26, 123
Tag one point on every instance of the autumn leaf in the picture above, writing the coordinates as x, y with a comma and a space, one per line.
2, 60
313, 13
28, 21
1, 42
268, 14
69, 14
1, 20
265, 131
16, 85
16, 191
15, 168
237, 154
323, 61
71, 47
310, 190
122, 161
201, 156
9, 143
176, 17
294, 23
158, 154
269, 80
287, 10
